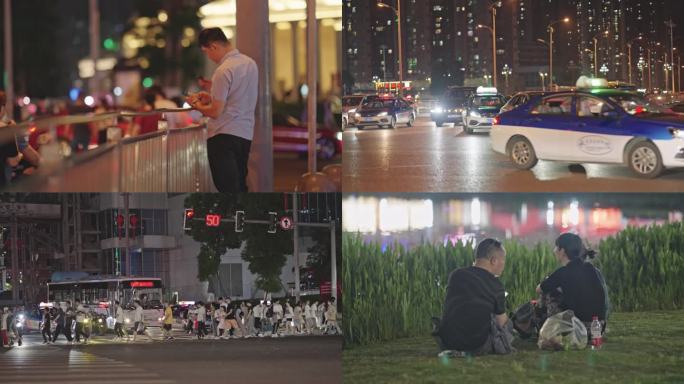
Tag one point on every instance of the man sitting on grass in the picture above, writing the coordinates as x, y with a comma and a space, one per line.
474, 319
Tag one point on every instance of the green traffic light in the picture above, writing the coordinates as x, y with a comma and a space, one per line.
148, 82
109, 44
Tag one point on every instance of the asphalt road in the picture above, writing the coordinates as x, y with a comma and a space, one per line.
288, 168
425, 158
295, 359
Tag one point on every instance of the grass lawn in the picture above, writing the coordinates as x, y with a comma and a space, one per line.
640, 348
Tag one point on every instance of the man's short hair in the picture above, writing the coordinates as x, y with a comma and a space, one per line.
486, 247
212, 35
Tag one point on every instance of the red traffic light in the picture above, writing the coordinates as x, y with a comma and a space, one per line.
189, 213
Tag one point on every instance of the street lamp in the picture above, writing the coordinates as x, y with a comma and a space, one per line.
492, 8
505, 72
550, 29
397, 13
595, 39
543, 75
641, 65
671, 25
629, 56
488, 79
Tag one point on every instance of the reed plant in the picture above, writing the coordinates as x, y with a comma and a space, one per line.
392, 293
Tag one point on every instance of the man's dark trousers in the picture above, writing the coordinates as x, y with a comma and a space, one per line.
228, 158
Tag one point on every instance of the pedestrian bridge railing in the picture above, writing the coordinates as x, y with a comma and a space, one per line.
167, 160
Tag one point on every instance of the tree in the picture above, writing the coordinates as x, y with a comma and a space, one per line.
265, 252
215, 240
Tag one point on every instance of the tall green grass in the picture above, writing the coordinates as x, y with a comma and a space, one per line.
394, 293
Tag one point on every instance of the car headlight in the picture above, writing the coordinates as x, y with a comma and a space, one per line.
474, 114
381, 114
338, 136
677, 133
438, 110
357, 115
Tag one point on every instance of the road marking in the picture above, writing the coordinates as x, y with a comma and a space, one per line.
70, 366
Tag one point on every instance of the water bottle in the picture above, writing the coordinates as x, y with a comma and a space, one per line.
596, 340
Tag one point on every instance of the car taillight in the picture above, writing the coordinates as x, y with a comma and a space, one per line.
496, 120
639, 109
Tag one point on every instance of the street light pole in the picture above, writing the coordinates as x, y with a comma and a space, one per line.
595, 57
9, 72
551, 30
494, 44
397, 13
671, 25
399, 44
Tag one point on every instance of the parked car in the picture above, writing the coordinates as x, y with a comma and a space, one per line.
291, 135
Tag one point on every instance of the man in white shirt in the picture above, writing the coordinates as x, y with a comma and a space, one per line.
80, 321
230, 107
201, 318
278, 318
139, 319
258, 314
119, 324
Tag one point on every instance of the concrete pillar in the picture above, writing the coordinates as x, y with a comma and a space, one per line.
295, 55
95, 44
253, 38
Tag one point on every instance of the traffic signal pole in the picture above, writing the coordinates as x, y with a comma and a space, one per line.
295, 246
295, 225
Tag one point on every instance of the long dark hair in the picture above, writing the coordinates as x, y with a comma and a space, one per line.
573, 247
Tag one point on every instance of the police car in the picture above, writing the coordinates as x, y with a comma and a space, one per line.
481, 109
384, 111
592, 126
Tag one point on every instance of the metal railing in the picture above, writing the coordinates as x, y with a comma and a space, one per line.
167, 160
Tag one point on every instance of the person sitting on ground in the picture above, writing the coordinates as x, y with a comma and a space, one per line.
578, 285
474, 320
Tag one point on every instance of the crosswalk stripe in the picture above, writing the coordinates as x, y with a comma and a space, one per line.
71, 366
101, 381
71, 375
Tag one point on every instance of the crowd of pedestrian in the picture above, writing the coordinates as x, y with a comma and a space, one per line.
221, 320
224, 319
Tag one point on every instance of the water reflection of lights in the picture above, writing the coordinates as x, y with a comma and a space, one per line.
475, 213
387, 215
405, 220
360, 214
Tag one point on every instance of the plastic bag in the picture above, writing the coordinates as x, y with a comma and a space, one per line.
563, 331
111, 322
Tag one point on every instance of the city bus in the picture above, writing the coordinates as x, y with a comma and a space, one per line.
99, 292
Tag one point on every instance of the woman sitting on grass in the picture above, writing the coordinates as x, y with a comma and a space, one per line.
577, 285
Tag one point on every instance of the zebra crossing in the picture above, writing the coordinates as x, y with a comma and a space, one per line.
58, 365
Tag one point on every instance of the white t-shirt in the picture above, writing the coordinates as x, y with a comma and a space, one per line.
278, 311
80, 313
119, 314
288, 312
201, 314
138, 316
259, 311
175, 119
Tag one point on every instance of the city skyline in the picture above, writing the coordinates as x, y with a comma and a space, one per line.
442, 44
